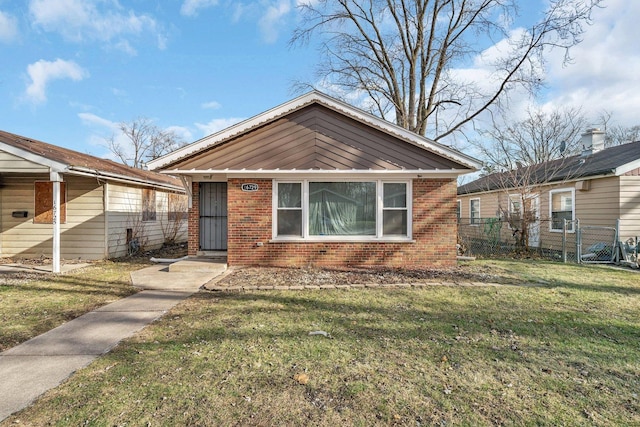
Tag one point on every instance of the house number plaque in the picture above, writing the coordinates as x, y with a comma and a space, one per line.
249, 187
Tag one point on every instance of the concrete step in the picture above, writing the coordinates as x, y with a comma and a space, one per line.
205, 265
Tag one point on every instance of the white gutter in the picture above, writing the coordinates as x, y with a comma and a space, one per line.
79, 170
419, 173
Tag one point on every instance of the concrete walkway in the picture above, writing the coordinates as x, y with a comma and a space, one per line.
30, 369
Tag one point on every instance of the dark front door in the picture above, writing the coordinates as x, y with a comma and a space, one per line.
213, 216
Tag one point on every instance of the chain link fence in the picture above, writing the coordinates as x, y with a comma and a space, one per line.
497, 238
563, 241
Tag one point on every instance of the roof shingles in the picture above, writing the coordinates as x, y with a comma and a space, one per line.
603, 162
73, 158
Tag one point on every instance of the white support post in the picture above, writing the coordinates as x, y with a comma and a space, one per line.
187, 184
55, 211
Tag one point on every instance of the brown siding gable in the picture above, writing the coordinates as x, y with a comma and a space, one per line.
316, 137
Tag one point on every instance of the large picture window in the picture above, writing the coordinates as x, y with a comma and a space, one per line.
561, 207
342, 208
345, 209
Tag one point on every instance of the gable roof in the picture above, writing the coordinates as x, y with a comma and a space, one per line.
63, 160
613, 161
310, 123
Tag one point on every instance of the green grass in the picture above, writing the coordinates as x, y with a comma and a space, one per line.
565, 352
32, 307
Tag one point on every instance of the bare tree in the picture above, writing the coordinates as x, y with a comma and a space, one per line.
403, 54
141, 140
518, 193
538, 138
617, 134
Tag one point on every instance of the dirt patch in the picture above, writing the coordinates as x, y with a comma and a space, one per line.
177, 250
279, 276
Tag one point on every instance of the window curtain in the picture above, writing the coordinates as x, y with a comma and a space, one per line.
342, 208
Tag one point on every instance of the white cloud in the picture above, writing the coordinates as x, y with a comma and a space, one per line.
80, 20
604, 73
42, 72
92, 119
192, 7
214, 105
217, 125
8, 27
272, 21
182, 132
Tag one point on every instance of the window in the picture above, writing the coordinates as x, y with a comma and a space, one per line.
561, 207
515, 207
148, 204
332, 210
342, 208
459, 209
394, 210
289, 209
474, 210
44, 202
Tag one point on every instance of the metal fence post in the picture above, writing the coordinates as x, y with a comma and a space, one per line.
616, 246
564, 240
578, 242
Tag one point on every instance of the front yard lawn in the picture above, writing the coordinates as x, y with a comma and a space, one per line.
563, 350
34, 303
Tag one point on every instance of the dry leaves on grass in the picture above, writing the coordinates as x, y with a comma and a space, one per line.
281, 276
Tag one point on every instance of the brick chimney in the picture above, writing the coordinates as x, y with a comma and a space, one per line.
592, 141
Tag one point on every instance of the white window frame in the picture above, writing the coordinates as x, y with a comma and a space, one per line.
510, 208
573, 208
277, 208
471, 218
378, 237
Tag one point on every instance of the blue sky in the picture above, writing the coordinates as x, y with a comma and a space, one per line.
72, 69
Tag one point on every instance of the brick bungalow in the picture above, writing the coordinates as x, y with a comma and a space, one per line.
316, 181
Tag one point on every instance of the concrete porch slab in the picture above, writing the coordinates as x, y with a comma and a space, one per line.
187, 275
198, 265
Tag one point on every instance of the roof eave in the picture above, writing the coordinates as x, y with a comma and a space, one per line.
33, 157
79, 170
627, 167
270, 173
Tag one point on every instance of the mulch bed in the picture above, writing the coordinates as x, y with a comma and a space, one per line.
264, 277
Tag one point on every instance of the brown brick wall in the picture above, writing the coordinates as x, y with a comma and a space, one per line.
194, 222
434, 232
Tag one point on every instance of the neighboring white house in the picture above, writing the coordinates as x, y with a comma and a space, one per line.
64, 204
